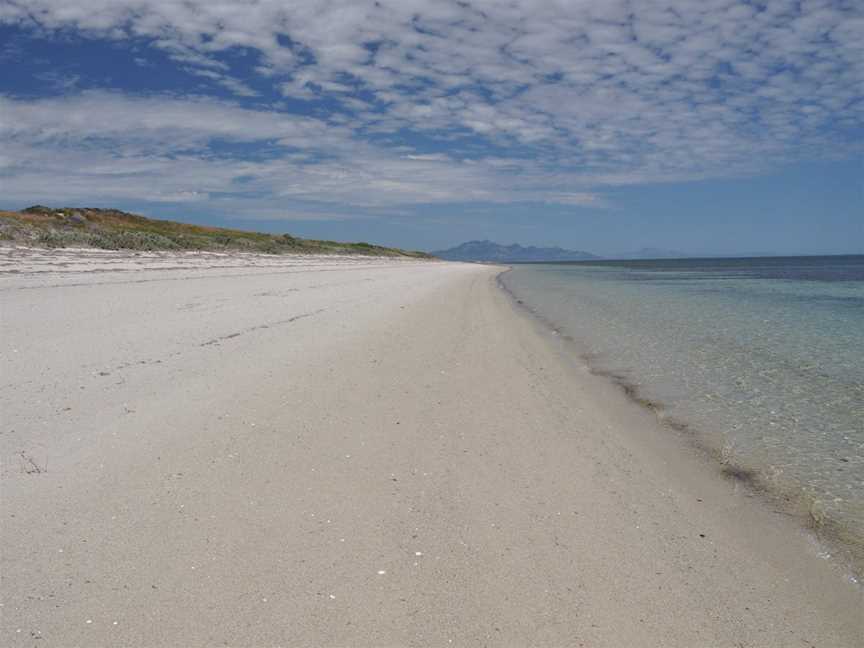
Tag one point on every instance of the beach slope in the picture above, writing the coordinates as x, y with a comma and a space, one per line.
213, 450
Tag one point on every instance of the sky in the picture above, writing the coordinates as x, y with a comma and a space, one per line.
707, 126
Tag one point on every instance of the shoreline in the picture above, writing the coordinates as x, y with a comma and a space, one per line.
845, 551
387, 455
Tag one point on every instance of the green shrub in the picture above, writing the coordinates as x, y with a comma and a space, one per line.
137, 241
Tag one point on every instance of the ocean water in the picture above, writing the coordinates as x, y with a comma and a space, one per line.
762, 359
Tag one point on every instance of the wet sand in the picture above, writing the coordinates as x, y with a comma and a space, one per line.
332, 452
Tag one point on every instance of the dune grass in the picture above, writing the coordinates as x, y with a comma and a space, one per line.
112, 229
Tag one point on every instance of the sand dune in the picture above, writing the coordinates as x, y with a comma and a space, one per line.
261, 451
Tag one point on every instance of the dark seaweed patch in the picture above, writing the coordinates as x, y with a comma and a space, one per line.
678, 425
739, 474
630, 389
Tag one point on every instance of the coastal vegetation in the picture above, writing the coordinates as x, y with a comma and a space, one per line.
112, 229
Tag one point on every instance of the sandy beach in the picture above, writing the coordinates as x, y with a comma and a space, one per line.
243, 450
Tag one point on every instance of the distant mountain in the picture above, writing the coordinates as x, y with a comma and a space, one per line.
489, 251
653, 253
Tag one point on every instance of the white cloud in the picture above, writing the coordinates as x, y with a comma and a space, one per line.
571, 95
236, 86
579, 198
156, 121
163, 149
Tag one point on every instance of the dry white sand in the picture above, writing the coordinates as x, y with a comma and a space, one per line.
326, 452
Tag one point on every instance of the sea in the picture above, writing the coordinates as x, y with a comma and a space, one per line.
759, 359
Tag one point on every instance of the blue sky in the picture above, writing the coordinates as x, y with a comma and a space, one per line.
709, 126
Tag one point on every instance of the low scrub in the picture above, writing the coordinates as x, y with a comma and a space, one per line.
111, 229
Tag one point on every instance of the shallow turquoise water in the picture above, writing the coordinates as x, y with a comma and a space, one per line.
763, 358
